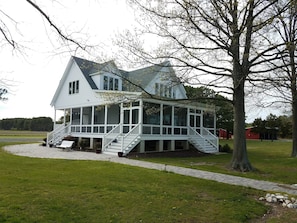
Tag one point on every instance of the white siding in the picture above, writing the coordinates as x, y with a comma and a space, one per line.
85, 95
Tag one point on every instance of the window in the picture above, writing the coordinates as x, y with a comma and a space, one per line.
157, 89
74, 87
116, 84
161, 90
105, 83
75, 120
70, 87
164, 90
110, 83
151, 114
77, 87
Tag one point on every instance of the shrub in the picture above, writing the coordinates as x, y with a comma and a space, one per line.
225, 148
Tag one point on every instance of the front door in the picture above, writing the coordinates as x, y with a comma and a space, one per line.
131, 118
195, 120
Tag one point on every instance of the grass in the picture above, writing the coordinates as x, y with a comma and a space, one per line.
271, 161
49, 190
21, 136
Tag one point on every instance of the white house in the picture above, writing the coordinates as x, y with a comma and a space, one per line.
117, 111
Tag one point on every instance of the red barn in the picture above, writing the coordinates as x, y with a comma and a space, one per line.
223, 134
249, 134
267, 133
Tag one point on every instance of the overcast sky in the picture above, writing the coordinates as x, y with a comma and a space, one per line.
35, 73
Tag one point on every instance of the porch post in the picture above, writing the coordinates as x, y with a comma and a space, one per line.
172, 120
92, 119
105, 118
161, 121
55, 113
80, 119
142, 146
92, 143
201, 121
172, 145
140, 121
121, 117
64, 121
70, 116
188, 120
215, 122
161, 145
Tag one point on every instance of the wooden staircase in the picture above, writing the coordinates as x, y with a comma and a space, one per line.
56, 136
205, 142
121, 144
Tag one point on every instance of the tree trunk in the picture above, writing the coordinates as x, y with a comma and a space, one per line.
240, 158
292, 50
294, 129
294, 115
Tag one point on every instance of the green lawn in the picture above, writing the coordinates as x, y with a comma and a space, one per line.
49, 190
21, 136
271, 161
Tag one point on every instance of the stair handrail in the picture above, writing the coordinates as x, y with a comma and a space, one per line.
134, 131
194, 132
57, 134
107, 140
213, 140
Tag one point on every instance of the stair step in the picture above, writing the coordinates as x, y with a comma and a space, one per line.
110, 153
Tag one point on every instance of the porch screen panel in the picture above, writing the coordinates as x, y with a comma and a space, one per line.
75, 118
167, 115
126, 117
113, 114
135, 116
99, 115
87, 116
208, 120
151, 114
180, 116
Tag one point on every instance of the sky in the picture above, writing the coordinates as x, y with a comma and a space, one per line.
34, 72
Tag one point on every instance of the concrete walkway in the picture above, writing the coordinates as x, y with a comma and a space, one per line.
34, 150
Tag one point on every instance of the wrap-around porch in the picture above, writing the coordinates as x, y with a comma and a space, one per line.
140, 125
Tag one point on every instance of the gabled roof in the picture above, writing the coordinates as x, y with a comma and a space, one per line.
141, 77
145, 75
89, 67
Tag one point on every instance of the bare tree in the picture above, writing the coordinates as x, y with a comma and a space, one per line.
8, 37
218, 43
283, 81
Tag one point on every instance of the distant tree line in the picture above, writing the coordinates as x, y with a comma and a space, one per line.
30, 124
281, 124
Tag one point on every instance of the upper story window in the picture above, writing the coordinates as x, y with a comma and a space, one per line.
74, 87
164, 90
110, 83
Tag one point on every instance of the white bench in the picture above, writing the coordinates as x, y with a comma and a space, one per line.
66, 144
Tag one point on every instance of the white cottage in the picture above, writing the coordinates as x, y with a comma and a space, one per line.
117, 111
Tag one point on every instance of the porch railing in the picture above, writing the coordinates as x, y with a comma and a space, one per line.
57, 134
205, 138
133, 134
110, 136
93, 129
213, 139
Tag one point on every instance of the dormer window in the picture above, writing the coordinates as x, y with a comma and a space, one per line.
163, 90
110, 83
116, 84
74, 87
